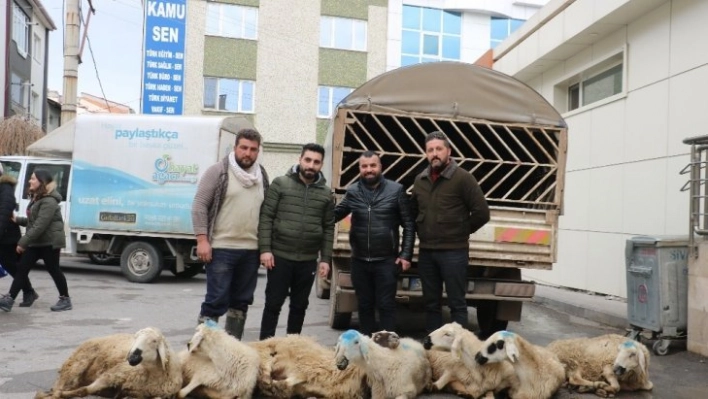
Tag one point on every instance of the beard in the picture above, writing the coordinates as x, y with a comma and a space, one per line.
438, 165
308, 174
371, 179
244, 163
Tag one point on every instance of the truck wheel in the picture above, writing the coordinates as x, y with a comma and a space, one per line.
187, 273
337, 320
104, 259
487, 319
321, 288
141, 262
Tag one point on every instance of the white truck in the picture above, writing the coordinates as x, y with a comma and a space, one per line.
128, 182
502, 131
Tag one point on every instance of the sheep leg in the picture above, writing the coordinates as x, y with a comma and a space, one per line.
443, 380
614, 387
186, 390
99, 385
576, 379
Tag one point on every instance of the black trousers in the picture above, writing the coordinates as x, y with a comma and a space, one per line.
8, 260
29, 258
375, 286
448, 267
295, 279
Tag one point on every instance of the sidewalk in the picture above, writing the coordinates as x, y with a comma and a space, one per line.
604, 309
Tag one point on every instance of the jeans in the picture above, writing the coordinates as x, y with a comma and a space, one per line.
231, 280
449, 267
375, 285
9, 260
29, 258
292, 276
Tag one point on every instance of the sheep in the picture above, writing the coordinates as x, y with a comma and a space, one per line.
605, 364
217, 365
458, 368
297, 365
137, 365
539, 372
402, 373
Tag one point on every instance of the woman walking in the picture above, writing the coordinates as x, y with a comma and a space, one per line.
44, 238
10, 235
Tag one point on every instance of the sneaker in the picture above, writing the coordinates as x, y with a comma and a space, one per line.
64, 303
6, 302
28, 298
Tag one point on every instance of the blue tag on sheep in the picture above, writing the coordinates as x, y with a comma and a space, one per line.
628, 344
211, 324
506, 334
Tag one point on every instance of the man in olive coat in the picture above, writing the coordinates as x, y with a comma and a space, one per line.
296, 228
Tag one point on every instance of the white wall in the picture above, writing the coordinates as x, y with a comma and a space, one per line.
624, 156
3, 51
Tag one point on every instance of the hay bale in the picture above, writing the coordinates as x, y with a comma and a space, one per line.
16, 133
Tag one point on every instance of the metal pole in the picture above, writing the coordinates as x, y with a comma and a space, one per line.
71, 59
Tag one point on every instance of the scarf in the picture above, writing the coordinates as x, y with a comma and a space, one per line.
247, 178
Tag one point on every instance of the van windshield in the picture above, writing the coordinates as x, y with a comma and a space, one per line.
11, 168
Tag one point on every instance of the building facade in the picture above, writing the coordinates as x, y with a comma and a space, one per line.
25, 44
286, 64
628, 76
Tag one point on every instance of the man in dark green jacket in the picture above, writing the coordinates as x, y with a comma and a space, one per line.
296, 228
448, 205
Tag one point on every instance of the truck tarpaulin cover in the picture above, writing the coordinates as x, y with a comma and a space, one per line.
455, 90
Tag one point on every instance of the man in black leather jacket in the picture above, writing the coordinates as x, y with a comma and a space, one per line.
378, 207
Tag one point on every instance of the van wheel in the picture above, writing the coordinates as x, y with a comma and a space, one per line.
487, 319
103, 259
141, 262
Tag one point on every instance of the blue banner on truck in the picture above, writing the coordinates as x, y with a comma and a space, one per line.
163, 57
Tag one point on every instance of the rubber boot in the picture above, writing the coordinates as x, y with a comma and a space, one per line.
235, 322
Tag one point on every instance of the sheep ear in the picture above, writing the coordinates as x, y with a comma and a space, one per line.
196, 340
162, 352
512, 352
456, 348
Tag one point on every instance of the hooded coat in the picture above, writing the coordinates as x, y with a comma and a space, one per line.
9, 231
45, 226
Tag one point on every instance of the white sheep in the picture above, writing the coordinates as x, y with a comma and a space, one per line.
402, 373
217, 365
539, 372
458, 369
137, 365
605, 364
298, 366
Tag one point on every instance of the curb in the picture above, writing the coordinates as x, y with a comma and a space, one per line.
619, 322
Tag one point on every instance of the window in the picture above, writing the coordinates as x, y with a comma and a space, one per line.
233, 21
328, 98
17, 90
37, 48
60, 174
230, 95
20, 29
596, 83
502, 28
430, 34
343, 33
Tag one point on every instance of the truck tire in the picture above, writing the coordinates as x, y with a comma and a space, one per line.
141, 262
321, 291
187, 273
104, 259
487, 319
338, 320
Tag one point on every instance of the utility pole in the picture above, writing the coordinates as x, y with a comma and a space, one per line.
71, 58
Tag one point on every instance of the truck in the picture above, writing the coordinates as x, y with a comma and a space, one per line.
128, 182
501, 131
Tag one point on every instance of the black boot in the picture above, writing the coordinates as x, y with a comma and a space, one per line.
64, 303
6, 302
235, 322
28, 298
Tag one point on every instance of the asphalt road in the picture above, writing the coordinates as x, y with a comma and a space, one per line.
35, 341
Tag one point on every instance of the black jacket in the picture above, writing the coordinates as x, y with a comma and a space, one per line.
374, 234
9, 231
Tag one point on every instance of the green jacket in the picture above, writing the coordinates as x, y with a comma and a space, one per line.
449, 210
297, 220
45, 226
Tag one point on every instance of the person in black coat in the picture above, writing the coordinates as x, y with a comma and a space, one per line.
379, 207
10, 235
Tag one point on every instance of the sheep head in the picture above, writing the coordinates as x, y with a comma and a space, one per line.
200, 339
351, 346
631, 357
387, 339
149, 345
497, 348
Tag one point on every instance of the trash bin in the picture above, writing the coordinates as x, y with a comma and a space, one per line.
657, 288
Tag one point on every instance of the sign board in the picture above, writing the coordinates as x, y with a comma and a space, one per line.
163, 57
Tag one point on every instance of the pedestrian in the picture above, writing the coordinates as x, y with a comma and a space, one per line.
296, 227
10, 235
44, 238
448, 205
379, 207
225, 221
